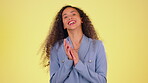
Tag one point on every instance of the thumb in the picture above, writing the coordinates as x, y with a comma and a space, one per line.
73, 54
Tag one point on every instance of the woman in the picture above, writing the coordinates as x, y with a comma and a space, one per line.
76, 54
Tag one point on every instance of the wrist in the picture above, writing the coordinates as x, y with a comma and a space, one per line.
75, 62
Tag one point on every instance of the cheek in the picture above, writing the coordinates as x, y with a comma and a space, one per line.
80, 21
64, 22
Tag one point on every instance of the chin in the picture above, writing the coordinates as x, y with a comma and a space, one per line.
71, 28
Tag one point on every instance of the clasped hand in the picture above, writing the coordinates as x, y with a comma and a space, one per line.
70, 52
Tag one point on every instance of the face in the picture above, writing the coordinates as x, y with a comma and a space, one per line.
71, 18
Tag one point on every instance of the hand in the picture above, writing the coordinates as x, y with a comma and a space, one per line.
70, 52
67, 48
75, 56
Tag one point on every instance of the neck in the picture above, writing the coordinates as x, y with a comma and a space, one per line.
75, 36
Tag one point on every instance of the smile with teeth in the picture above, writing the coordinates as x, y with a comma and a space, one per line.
71, 22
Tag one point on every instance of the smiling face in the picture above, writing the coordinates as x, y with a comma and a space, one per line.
71, 18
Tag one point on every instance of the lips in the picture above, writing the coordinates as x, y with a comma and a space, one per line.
71, 22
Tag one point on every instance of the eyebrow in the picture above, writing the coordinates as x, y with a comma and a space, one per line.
70, 12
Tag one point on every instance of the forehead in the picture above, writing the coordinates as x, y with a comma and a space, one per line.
69, 10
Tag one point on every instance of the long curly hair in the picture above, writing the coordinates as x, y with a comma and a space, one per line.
58, 32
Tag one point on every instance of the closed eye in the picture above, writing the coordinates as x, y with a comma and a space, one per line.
65, 17
73, 14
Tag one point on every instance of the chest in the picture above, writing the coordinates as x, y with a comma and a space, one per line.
87, 57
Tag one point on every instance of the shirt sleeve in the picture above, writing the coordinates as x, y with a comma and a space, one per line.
99, 75
59, 74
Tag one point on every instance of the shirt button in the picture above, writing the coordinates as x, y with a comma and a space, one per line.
89, 61
63, 61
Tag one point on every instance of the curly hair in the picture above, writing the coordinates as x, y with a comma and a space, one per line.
58, 32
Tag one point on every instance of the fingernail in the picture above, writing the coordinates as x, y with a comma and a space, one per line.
64, 39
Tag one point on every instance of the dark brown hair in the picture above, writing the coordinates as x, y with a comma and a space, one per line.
58, 32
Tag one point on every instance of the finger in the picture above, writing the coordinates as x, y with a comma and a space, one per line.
65, 42
72, 54
68, 51
66, 47
69, 54
68, 44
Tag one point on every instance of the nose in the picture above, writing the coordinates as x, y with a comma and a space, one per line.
69, 18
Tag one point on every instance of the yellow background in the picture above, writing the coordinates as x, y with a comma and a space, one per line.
122, 25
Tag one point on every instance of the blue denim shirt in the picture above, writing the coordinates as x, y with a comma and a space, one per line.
91, 68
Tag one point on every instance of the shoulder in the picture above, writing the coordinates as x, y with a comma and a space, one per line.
57, 45
96, 43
